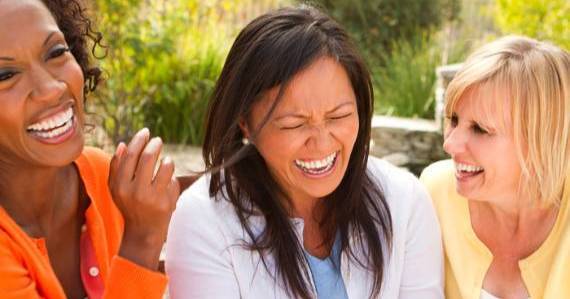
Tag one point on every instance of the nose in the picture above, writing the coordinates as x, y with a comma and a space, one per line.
455, 141
320, 139
45, 85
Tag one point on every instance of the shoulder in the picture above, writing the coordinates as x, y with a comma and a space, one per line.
409, 202
439, 179
388, 175
437, 173
198, 213
93, 165
93, 157
400, 187
197, 202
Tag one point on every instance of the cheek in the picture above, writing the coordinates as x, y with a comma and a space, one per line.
278, 147
346, 132
73, 75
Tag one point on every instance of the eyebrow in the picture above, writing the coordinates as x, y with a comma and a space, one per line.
297, 115
477, 123
48, 38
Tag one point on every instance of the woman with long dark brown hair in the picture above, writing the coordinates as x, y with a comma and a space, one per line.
292, 206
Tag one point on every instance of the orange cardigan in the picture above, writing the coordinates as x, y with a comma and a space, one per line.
25, 270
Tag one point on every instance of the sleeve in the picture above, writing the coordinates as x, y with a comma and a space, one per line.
198, 260
129, 280
15, 279
422, 276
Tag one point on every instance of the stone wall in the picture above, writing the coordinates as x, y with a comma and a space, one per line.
409, 143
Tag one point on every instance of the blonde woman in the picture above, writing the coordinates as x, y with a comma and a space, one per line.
502, 200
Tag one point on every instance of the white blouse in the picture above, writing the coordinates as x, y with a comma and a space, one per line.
205, 259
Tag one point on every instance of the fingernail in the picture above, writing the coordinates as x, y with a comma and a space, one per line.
144, 131
166, 160
155, 143
120, 149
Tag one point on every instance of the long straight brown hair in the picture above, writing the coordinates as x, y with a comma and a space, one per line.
267, 53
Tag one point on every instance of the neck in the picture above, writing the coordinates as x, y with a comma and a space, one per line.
518, 214
33, 196
306, 208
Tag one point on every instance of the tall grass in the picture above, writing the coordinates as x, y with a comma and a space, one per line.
404, 85
162, 62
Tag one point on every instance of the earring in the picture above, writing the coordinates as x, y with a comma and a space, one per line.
245, 141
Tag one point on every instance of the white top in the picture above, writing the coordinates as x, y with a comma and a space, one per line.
487, 295
204, 258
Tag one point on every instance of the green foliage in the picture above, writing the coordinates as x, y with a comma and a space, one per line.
404, 86
395, 39
377, 24
540, 19
162, 62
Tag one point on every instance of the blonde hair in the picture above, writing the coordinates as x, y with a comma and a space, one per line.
535, 76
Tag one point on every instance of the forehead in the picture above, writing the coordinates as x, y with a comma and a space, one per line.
322, 85
486, 103
19, 19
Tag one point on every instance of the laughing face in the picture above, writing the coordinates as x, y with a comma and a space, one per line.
41, 89
480, 141
309, 137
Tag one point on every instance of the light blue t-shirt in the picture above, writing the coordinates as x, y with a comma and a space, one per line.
326, 273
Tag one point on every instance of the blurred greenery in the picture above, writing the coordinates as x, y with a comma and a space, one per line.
540, 19
163, 56
405, 84
377, 24
400, 44
162, 61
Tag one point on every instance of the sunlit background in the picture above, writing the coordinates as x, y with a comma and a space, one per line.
163, 56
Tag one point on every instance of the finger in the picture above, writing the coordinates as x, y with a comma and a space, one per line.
133, 152
116, 162
164, 173
147, 161
173, 190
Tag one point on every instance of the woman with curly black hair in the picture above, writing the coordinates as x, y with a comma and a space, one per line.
73, 223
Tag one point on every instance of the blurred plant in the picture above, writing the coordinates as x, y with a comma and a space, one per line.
540, 19
377, 24
404, 86
162, 61
185, 81
397, 39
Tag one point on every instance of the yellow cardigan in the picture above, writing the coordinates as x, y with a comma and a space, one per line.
546, 273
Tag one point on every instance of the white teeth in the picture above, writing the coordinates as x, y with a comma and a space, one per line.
55, 121
468, 168
317, 166
55, 132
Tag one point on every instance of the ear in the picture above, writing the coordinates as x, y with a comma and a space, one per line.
244, 127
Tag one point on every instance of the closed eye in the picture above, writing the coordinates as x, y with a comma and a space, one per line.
479, 130
452, 120
291, 127
57, 51
7, 75
341, 116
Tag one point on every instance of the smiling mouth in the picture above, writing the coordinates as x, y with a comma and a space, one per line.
466, 171
317, 167
53, 127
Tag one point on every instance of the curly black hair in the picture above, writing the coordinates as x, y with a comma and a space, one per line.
73, 20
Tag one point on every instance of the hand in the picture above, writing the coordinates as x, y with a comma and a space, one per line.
146, 201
